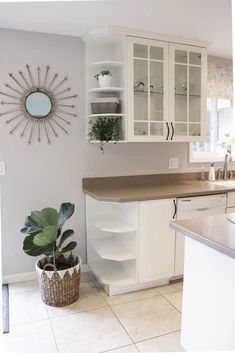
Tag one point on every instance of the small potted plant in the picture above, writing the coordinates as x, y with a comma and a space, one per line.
104, 78
58, 271
105, 129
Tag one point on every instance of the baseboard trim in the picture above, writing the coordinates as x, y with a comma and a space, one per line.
29, 276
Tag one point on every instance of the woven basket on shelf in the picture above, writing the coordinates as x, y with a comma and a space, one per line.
59, 288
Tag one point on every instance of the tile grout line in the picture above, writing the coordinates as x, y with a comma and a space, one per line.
171, 303
132, 301
164, 334
113, 349
53, 334
121, 324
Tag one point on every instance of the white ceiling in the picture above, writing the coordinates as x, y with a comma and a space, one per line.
208, 20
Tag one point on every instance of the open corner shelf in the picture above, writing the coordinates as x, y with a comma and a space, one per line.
113, 224
110, 249
106, 89
110, 63
113, 115
112, 273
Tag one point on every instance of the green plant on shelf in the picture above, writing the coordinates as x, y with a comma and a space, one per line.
105, 129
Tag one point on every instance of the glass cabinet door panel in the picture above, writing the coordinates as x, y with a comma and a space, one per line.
140, 88
140, 129
181, 56
156, 91
156, 106
180, 108
194, 130
156, 53
180, 129
194, 109
194, 80
181, 79
140, 51
156, 77
195, 58
156, 129
180, 92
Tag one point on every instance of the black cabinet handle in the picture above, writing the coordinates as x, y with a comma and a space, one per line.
173, 131
168, 131
175, 211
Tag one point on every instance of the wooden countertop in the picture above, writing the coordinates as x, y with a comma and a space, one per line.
216, 232
151, 187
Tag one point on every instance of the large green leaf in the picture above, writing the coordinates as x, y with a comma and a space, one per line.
33, 250
31, 227
66, 211
46, 217
51, 215
39, 218
31, 230
46, 237
66, 234
30, 223
69, 247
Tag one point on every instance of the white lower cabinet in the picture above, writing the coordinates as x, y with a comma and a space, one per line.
156, 240
130, 245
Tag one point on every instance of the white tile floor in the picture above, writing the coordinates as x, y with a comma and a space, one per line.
144, 321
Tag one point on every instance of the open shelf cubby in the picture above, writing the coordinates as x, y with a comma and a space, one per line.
112, 238
106, 51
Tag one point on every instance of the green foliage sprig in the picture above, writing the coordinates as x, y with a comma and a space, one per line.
105, 129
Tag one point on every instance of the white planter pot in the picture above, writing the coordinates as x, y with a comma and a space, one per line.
104, 81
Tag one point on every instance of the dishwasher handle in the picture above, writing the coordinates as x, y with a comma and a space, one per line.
203, 209
175, 211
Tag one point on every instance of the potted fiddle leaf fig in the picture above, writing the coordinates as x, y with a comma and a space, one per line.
58, 271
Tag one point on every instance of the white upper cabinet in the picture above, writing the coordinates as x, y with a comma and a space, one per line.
188, 76
148, 105
166, 91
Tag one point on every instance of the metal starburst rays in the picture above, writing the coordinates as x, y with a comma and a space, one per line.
32, 126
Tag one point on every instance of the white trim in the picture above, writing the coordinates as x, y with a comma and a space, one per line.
126, 31
30, 276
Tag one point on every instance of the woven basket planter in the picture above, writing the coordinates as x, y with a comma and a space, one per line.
59, 288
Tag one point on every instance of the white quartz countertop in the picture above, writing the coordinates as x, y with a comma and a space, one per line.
216, 231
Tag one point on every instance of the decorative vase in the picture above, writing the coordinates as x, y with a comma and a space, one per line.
58, 287
104, 81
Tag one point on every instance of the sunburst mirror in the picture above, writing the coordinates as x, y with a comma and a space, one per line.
38, 105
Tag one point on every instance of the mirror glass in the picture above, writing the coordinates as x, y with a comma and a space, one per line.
38, 104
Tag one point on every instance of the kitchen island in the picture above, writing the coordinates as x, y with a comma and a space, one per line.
208, 316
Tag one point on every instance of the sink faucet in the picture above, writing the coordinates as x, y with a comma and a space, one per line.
228, 158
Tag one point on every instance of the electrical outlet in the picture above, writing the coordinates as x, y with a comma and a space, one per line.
2, 168
173, 163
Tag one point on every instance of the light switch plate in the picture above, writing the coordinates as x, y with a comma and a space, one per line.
173, 163
2, 168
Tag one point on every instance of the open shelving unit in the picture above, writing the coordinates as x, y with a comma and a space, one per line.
112, 242
106, 51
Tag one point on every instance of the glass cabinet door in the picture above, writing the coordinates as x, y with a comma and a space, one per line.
147, 88
187, 92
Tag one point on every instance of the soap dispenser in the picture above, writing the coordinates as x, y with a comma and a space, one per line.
211, 176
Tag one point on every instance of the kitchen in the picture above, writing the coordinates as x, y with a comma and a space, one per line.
128, 191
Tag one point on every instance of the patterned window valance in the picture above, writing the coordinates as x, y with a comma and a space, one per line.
220, 81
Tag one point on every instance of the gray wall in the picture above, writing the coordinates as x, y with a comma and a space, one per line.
40, 175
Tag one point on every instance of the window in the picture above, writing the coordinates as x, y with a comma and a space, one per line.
220, 132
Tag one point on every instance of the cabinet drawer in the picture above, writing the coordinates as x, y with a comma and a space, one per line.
231, 199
